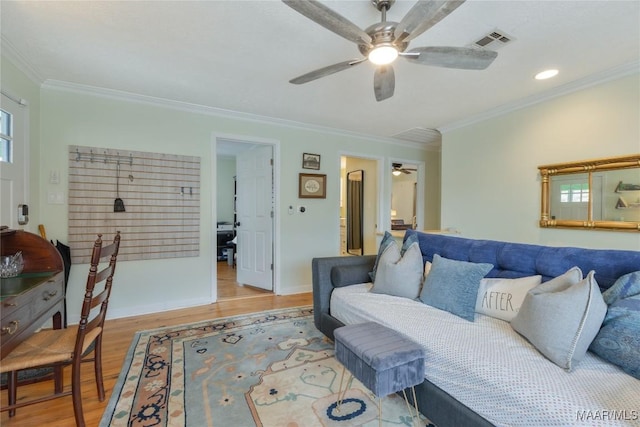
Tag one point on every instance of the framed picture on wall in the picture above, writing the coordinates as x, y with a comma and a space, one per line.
312, 186
310, 161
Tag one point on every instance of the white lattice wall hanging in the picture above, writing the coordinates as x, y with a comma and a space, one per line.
160, 194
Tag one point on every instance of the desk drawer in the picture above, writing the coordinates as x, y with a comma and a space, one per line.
14, 303
47, 294
14, 323
22, 314
21, 291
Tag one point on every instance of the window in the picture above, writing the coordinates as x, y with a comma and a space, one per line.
6, 136
574, 193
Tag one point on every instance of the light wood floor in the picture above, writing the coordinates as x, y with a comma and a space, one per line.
228, 286
117, 338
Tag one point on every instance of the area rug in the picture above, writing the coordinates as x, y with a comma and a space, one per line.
271, 369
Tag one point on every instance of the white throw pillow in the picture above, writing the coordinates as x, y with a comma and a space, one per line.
502, 298
561, 318
427, 268
399, 275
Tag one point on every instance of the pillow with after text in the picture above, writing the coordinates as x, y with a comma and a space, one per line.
502, 298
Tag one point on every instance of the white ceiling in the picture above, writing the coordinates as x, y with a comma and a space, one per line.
239, 55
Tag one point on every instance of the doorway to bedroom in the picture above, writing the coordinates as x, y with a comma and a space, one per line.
243, 257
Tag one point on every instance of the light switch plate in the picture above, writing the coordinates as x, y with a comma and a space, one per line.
55, 198
54, 177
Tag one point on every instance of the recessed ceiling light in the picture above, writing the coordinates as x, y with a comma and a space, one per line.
547, 74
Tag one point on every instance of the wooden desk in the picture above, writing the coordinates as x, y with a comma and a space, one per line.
30, 299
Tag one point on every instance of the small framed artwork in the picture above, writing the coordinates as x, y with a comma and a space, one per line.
310, 161
312, 186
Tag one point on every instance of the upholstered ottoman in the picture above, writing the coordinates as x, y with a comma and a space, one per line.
382, 359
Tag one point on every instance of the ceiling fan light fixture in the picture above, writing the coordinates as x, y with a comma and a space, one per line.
547, 74
383, 54
382, 42
396, 173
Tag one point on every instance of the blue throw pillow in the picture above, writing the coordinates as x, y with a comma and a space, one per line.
387, 240
408, 241
618, 340
453, 286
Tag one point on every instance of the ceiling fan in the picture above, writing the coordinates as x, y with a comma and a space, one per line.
397, 169
383, 42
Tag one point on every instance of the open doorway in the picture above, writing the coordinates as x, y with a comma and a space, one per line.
244, 181
359, 196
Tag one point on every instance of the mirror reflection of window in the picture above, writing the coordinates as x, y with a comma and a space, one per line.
574, 193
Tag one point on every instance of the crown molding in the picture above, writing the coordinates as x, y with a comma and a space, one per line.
574, 86
8, 50
222, 113
16, 58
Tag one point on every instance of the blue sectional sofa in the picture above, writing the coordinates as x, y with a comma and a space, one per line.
510, 260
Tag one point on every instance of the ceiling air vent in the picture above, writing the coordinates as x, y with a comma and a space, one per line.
420, 135
494, 40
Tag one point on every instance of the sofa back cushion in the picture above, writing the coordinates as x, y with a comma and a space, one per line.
512, 260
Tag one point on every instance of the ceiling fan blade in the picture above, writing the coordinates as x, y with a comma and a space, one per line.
329, 19
464, 58
325, 71
384, 82
422, 16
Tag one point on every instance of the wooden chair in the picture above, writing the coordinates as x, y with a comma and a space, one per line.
58, 348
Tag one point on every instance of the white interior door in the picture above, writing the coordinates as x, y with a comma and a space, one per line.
14, 167
254, 210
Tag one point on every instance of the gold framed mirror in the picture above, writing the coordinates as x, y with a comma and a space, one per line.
599, 194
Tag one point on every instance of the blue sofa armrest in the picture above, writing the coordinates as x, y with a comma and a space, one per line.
349, 270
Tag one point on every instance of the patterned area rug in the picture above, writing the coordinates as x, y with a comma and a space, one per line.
269, 369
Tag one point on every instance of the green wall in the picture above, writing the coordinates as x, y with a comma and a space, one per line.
82, 116
490, 185
490, 182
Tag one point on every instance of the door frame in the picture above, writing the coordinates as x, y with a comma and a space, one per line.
251, 140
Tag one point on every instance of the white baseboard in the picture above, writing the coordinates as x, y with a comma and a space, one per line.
300, 289
146, 309
173, 305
